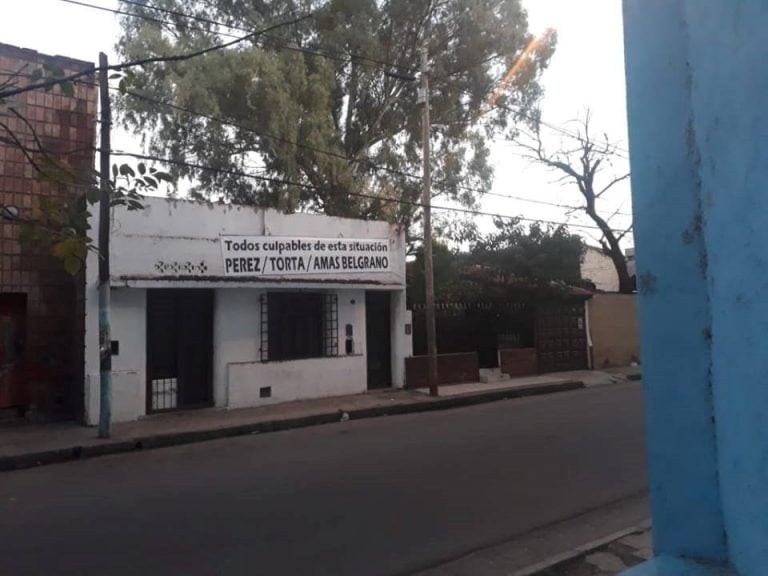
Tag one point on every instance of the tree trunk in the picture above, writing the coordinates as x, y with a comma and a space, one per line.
626, 286
613, 249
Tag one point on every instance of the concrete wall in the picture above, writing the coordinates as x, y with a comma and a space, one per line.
697, 137
518, 361
455, 368
599, 268
674, 299
402, 337
129, 376
176, 243
614, 330
293, 380
238, 372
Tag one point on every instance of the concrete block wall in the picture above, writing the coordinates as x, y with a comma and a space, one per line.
614, 330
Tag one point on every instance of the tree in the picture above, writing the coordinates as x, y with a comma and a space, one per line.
448, 267
583, 160
325, 114
533, 256
513, 259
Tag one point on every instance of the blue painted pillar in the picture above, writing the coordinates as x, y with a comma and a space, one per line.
697, 88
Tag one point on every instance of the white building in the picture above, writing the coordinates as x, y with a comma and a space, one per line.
228, 306
598, 267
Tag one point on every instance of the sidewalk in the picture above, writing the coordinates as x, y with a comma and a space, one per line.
28, 446
568, 547
611, 559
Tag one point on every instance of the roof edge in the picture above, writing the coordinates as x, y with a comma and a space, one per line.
11, 51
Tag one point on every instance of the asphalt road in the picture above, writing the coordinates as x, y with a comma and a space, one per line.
385, 496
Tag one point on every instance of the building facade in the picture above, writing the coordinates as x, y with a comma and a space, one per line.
41, 305
234, 307
598, 268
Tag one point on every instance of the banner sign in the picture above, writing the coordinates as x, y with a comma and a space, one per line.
289, 256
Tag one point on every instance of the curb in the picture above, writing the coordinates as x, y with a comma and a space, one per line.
582, 550
55, 456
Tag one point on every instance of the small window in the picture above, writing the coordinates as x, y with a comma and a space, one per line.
299, 325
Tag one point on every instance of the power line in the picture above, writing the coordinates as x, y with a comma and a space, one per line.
520, 112
151, 60
284, 182
559, 129
366, 160
318, 52
326, 52
555, 204
143, 17
176, 13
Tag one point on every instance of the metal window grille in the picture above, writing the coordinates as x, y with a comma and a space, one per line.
264, 318
327, 324
165, 393
331, 325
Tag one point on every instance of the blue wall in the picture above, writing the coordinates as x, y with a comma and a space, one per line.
671, 270
729, 48
697, 77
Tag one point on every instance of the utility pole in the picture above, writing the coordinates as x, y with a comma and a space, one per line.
105, 339
426, 201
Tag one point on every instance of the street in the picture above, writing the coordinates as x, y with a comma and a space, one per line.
383, 496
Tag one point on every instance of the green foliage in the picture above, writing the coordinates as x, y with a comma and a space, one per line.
51, 71
347, 105
448, 267
513, 261
514, 254
62, 227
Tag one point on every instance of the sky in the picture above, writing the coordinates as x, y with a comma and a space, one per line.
586, 72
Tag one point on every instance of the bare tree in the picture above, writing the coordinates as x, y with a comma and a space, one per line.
586, 162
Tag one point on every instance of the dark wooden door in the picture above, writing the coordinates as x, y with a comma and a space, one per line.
179, 349
378, 339
561, 338
13, 377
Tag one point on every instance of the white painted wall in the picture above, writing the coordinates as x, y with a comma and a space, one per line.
296, 379
599, 268
236, 334
128, 319
188, 232
352, 311
402, 343
239, 372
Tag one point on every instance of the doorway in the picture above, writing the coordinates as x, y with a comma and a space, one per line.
179, 349
378, 340
13, 377
561, 337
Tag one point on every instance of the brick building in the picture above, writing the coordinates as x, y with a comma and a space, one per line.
41, 305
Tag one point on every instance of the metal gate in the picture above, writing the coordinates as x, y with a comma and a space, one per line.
179, 349
561, 338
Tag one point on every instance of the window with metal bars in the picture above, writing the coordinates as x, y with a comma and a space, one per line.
297, 325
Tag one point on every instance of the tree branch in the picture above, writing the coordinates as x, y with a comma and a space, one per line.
627, 231
612, 183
